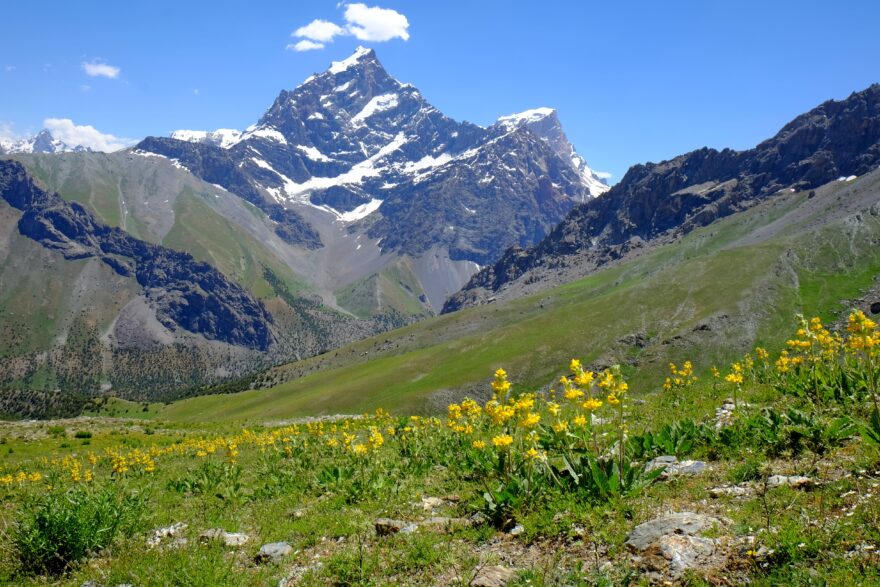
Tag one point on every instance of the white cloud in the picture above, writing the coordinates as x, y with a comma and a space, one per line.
603, 174
305, 45
85, 88
366, 23
98, 69
65, 130
7, 133
371, 23
320, 31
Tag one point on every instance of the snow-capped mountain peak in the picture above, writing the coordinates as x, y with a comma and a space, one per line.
513, 121
354, 142
42, 142
360, 54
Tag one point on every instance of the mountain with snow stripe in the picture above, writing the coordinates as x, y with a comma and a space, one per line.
42, 142
362, 170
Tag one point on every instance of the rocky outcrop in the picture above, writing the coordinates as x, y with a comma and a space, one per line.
185, 293
836, 139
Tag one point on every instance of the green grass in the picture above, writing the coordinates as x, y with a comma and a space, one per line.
325, 504
745, 292
394, 288
210, 237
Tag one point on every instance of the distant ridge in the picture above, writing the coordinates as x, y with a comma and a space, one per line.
837, 139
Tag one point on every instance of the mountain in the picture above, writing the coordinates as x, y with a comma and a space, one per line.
182, 292
657, 202
42, 142
352, 207
97, 292
360, 169
708, 297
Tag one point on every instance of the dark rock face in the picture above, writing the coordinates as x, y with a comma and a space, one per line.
354, 135
833, 140
185, 293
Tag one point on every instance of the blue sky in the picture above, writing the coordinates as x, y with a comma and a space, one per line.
632, 81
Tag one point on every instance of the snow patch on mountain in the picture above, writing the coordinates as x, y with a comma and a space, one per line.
514, 121
338, 67
375, 105
361, 211
314, 154
222, 137
265, 133
427, 162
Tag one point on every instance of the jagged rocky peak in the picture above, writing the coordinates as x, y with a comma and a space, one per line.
42, 142
354, 142
545, 123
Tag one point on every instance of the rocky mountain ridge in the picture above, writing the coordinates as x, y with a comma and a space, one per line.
838, 139
358, 146
183, 292
42, 142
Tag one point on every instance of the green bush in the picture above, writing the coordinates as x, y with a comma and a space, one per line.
82, 434
748, 470
57, 530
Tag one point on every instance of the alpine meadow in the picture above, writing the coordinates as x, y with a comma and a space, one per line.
361, 340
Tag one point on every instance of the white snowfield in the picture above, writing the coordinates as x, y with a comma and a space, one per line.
352, 60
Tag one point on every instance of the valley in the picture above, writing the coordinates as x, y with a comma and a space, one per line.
351, 338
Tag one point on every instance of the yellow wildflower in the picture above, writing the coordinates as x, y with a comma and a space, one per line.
502, 440
530, 420
592, 404
560, 426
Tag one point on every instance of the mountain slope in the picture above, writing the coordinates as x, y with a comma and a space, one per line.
130, 315
707, 297
656, 201
182, 292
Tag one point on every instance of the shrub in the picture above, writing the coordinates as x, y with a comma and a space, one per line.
748, 470
82, 434
57, 530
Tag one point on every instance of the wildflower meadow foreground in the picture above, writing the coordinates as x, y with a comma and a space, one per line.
766, 470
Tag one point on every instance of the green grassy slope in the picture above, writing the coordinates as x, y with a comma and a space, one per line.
707, 297
210, 237
394, 288
107, 184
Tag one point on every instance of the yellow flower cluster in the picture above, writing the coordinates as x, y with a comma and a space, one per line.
813, 342
21, 477
680, 377
736, 374
863, 334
